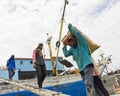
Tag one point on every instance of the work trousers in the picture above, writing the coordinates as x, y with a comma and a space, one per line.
87, 76
99, 87
11, 73
41, 74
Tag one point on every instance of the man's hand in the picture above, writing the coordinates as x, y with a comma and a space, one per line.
99, 76
64, 44
34, 66
69, 25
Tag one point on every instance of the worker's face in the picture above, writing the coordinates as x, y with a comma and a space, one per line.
41, 47
72, 42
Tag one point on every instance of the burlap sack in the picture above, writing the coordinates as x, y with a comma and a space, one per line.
92, 45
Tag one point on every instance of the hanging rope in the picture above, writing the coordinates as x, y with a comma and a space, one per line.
53, 30
49, 41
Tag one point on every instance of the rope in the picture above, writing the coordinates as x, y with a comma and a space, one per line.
49, 42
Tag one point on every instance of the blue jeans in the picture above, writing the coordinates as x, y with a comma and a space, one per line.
11, 73
87, 76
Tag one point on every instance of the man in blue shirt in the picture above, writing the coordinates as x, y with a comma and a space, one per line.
11, 66
79, 49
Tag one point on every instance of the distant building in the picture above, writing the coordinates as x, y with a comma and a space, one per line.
26, 70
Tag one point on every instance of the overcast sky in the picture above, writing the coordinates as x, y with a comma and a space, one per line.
25, 23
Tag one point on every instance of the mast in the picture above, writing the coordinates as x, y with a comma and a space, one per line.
60, 34
51, 56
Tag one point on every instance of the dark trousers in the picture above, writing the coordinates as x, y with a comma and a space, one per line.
41, 74
99, 87
87, 76
11, 73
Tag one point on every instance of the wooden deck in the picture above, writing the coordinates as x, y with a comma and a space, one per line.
31, 85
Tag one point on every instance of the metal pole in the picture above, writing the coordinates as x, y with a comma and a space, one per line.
51, 57
58, 42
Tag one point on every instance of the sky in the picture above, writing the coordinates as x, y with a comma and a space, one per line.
25, 23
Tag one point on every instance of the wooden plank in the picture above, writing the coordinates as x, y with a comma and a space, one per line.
117, 90
40, 92
66, 63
